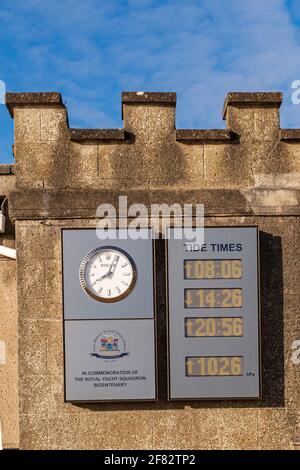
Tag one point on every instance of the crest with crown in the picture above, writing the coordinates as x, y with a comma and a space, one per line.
109, 345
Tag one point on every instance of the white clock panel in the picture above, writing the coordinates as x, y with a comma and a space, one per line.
112, 278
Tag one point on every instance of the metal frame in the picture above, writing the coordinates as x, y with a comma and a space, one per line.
214, 399
89, 256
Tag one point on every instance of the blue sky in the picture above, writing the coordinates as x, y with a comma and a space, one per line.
92, 50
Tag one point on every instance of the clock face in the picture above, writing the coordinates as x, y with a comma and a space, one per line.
108, 274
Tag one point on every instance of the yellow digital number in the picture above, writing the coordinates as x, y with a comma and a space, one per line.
237, 269
212, 366
211, 327
237, 327
209, 269
199, 270
210, 300
232, 298
237, 300
227, 326
224, 366
226, 269
200, 331
226, 301
236, 366
201, 363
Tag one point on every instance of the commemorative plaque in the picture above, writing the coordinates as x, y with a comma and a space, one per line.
109, 316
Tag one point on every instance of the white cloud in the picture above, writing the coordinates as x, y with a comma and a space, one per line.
92, 50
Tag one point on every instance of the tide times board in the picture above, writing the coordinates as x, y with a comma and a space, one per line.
213, 315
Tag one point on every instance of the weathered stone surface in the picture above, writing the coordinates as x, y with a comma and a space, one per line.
34, 431
275, 430
27, 125
27, 100
7, 184
252, 98
84, 135
42, 165
54, 125
9, 414
206, 135
148, 97
64, 204
253, 116
228, 164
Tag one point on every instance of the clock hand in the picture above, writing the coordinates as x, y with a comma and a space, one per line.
114, 266
105, 275
108, 274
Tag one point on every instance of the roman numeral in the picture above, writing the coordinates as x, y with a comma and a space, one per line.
125, 283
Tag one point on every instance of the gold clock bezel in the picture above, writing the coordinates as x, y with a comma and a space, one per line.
88, 258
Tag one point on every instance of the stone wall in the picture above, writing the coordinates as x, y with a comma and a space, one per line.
9, 412
248, 173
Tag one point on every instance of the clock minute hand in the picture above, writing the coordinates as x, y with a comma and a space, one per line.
111, 267
114, 265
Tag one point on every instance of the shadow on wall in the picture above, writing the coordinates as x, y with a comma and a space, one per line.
272, 337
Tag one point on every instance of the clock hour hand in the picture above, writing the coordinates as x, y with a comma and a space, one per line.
108, 274
105, 276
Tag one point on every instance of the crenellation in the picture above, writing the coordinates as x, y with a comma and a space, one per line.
252, 144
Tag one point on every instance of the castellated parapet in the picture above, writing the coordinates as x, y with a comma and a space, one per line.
252, 160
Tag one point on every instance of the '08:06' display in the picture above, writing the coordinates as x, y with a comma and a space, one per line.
213, 269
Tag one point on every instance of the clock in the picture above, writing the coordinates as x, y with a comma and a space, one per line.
107, 274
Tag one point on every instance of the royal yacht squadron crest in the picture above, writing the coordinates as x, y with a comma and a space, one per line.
109, 345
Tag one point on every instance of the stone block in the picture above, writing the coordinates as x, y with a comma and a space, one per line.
253, 122
274, 430
64, 432
54, 127
33, 431
226, 166
83, 171
42, 165
27, 125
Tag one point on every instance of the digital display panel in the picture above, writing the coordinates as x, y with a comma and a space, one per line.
213, 326
214, 366
213, 315
213, 269
213, 298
